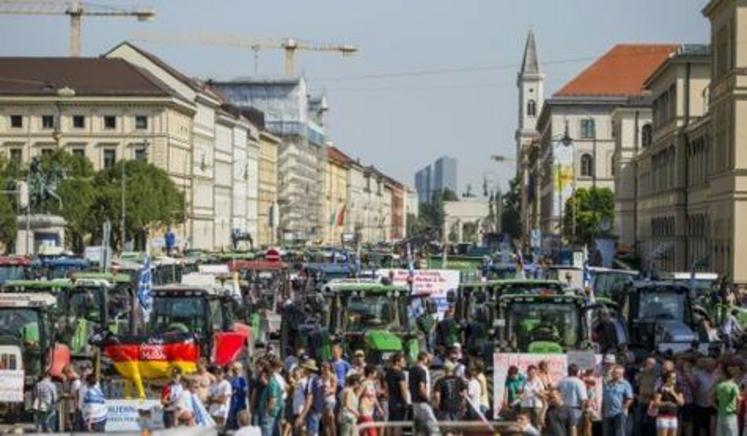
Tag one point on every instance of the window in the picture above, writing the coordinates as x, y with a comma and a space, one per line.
141, 122
16, 155
79, 121
16, 121
47, 121
532, 108
587, 164
587, 128
79, 153
46, 151
110, 122
110, 158
141, 156
647, 135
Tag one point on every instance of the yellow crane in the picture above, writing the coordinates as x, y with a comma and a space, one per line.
75, 9
289, 45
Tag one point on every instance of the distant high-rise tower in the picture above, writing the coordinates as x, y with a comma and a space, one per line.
531, 84
445, 174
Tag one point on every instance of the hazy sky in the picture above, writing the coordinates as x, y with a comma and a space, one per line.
398, 122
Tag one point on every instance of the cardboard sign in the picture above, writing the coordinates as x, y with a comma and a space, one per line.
557, 365
124, 415
435, 283
11, 385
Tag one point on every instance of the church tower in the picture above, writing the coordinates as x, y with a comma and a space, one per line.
531, 99
531, 91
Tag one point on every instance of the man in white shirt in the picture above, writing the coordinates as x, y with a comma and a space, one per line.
573, 391
219, 397
185, 412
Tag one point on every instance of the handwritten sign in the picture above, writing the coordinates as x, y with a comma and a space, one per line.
435, 283
11, 385
557, 365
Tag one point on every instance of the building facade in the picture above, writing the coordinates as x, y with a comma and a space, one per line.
574, 147
423, 184
298, 120
102, 109
335, 195
268, 209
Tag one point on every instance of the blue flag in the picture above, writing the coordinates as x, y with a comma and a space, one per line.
145, 288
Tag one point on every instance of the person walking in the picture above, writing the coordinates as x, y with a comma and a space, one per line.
369, 401
726, 397
558, 416
71, 387
616, 400
94, 406
46, 397
665, 404
340, 366
316, 391
419, 384
219, 397
646, 380
270, 405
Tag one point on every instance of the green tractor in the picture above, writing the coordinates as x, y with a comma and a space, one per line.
542, 323
79, 312
477, 307
370, 316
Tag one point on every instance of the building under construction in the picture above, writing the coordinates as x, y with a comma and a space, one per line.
299, 121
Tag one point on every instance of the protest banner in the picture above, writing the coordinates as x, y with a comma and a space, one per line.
11, 385
557, 365
435, 283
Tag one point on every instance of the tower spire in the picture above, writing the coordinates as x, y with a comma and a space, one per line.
530, 64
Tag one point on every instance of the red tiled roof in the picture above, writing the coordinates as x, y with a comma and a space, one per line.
334, 154
622, 71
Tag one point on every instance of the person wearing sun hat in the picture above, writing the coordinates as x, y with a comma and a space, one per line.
316, 390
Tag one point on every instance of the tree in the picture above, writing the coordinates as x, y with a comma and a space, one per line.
151, 199
511, 216
8, 219
591, 207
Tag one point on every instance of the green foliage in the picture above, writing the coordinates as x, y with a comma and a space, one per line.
73, 166
511, 217
591, 206
8, 221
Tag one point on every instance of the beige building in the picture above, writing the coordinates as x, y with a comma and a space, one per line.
632, 131
726, 151
102, 109
335, 195
679, 98
268, 188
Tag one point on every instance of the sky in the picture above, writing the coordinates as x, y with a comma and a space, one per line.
432, 77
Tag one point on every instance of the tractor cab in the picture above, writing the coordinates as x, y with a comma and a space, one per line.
660, 316
79, 308
120, 298
606, 283
317, 274
206, 312
477, 307
371, 316
264, 282
14, 268
27, 342
542, 323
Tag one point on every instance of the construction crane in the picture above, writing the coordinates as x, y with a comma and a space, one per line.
75, 9
289, 45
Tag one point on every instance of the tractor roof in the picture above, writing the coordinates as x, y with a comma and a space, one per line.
26, 300
14, 261
362, 285
109, 277
185, 290
256, 265
46, 285
543, 298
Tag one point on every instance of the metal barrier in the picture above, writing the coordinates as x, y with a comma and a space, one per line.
456, 427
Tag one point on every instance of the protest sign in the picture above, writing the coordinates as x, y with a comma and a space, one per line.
11, 386
435, 283
124, 415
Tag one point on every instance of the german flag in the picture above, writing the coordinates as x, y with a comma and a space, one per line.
139, 358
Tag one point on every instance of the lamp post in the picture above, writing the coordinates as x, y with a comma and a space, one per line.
123, 219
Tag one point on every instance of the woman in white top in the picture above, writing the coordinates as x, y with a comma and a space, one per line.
532, 400
219, 397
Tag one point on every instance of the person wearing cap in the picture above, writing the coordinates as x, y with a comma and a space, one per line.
359, 363
608, 364
316, 390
